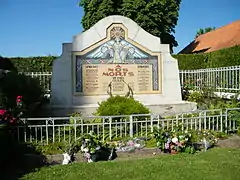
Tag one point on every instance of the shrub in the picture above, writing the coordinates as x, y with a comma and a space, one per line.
118, 105
191, 61
6, 64
14, 84
195, 97
221, 58
33, 64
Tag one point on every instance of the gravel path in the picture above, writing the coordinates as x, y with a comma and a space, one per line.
231, 142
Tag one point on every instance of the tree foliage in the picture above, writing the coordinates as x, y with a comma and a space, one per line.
203, 31
6, 64
158, 17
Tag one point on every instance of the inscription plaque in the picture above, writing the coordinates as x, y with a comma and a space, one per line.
98, 77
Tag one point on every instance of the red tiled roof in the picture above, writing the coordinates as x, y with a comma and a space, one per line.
223, 37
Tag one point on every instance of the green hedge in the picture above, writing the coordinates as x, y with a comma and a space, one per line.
33, 64
221, 58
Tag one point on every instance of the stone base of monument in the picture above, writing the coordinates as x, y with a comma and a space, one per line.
87, 110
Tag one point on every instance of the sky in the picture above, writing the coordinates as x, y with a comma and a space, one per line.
39, 27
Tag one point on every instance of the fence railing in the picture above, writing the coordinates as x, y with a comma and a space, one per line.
224, 79
43, 77
49, 130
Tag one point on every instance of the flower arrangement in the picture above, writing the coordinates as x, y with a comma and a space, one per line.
12, 116
70, 149
207, 139
183, 141
129, 145
94, 149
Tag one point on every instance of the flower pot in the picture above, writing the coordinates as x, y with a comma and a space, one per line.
66, 158
173, 151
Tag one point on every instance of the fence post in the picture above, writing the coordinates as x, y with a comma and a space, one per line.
53, 129
205, 120
110, 128
151, 123
103, 129
82, 126
131, 126
25, 132
46, 130
221, 122
75, 128
200, 121
226, 119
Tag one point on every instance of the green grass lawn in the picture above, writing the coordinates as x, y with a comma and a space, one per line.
216, 164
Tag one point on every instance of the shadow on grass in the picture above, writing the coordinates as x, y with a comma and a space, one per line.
13, 159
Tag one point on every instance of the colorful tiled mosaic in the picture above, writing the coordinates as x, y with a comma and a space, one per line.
116, 51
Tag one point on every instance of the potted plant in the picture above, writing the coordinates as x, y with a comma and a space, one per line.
163, 139
174, 145
94, 149
70, 149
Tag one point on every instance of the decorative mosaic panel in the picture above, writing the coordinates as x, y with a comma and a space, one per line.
116, 51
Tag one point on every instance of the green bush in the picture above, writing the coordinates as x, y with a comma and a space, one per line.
191, 61
14, 84
49, 149
195, 97
33, 64
222, 58
118, 105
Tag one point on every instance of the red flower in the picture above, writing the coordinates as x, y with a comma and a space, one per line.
2, 112
19, 100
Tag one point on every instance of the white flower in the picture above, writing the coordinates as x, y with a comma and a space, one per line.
66, 158
85, 150
186, 139
90, 160
181, 137
82, 148
186, 131
175, 140
137, 145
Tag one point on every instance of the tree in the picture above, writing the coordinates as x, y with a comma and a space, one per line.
203, 31
158, 17
6, 64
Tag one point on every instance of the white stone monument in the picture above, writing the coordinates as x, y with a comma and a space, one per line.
119, 55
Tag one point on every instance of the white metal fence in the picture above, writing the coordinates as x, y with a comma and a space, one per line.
43, 77
224, 79
49, 130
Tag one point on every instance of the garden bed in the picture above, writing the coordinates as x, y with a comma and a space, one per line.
58, 158
231, 142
